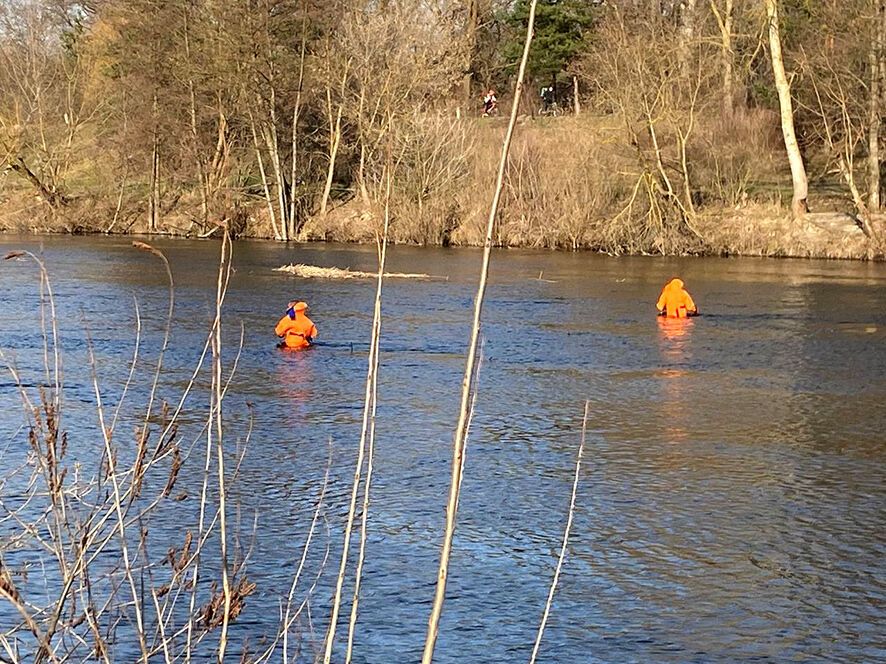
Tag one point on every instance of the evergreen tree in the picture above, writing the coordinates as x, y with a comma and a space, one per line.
561, 27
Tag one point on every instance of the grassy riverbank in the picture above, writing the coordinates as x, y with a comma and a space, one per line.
572, 183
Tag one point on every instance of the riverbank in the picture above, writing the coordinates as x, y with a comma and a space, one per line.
572, 183
757, 232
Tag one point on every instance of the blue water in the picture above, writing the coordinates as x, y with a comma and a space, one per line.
731, 506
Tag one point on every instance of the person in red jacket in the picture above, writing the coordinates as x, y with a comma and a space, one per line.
675, 301
298, 331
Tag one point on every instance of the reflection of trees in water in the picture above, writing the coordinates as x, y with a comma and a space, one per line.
820, 417
836, 367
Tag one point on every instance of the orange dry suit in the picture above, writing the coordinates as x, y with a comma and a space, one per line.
675, 302
296, 328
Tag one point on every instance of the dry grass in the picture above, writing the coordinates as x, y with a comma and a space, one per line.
571, 183
567, 178
316, 272
768, 230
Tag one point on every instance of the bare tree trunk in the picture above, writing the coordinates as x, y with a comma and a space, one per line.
364, 138
725, 22
293, 227
881, 64
72, 118
575, 100
875, 54
687, 33
201, 174
798, 170
361, 178
47, 191
864, 212
682, 141
470, 47
270, 136
218, 165
269, 131
154, 195
264, 177
667, 187
334, 140
119, 203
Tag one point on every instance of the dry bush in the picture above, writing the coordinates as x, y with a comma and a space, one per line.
84, 506
384, 72
432, 167
734, 153
761, 229
564, 184
662, 88
429, 157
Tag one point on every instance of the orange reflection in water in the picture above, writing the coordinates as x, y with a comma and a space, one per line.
675, 329
295, 370
674, 336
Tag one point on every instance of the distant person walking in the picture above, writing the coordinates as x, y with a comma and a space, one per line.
298, 331
490, 103
675, 301
547, 99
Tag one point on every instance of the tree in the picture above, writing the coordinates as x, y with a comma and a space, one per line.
43, 104
798, 169
725, 21
561, 28
640, 69
840, 102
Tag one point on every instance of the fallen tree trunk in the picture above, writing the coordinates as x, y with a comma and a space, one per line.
49, 193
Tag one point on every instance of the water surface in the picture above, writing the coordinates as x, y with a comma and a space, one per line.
731, 507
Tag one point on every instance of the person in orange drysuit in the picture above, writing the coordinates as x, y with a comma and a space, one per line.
675, 302
298, 331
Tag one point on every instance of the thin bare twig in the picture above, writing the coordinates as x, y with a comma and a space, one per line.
562, 556
361, 452
464, 412
373, 397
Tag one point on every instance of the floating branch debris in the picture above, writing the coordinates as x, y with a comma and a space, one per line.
316, 272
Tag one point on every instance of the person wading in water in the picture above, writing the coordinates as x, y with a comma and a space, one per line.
675, 301
298, 331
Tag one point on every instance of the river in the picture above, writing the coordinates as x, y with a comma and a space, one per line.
731, 505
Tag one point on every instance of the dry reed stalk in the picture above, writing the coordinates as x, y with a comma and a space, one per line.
202, 529
78, 537
562, 556
374, 352
45, 424
45, 296
52, 461
464, 455
464, 411
368, 401
221, 289
288, 619
49, 461
144, 246
132, 364
118, 506
306, 602
8, 591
